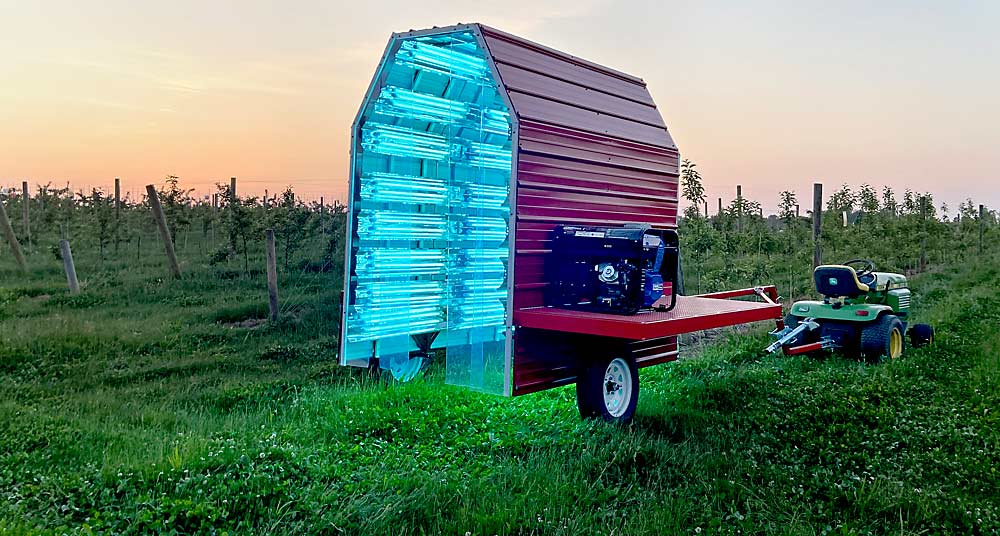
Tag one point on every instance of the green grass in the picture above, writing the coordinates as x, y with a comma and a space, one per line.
136, 407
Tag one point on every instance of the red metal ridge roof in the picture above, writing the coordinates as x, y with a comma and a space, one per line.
553, 87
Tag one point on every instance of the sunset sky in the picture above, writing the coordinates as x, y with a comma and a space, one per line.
769, 95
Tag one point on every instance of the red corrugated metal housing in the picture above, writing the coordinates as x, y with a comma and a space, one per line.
592, 150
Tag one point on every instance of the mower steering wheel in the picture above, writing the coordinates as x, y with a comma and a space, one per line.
861, 266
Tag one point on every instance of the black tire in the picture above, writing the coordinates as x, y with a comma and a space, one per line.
921, 335
597, 398
882, 340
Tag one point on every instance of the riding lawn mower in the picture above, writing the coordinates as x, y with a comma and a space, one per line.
863, 312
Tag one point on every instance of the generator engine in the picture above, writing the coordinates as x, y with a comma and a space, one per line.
618, 270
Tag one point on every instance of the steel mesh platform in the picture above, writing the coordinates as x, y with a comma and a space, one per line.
692, 313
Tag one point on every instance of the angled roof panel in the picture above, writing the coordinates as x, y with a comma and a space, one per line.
592, 149
538, 72
541, 85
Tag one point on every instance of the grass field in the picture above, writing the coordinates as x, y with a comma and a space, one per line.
141, 405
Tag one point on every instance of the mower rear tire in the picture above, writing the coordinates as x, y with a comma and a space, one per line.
608, 389
921, 335
882, 340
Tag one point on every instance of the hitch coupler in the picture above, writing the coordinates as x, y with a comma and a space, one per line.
789, 333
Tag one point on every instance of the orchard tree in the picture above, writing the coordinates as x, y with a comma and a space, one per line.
101, 209
238, 223
742, 223
48, 200
334, 251
692, 188
967, 209
176, 204
910, 202
741, 206
291, 221
842, 200
889, 204
786, 206
868, 198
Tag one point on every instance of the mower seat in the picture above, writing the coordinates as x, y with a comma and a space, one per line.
835, 280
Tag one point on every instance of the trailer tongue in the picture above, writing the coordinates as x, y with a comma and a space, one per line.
692, 313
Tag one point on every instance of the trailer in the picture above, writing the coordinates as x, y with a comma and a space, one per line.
513, 209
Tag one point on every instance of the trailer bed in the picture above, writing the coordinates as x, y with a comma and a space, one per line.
692, 313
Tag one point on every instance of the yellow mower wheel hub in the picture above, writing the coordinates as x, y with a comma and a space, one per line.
895, 344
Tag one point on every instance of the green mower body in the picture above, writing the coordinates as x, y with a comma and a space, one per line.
888, 294
862, 312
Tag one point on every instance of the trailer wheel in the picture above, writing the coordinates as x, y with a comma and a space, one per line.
608, 389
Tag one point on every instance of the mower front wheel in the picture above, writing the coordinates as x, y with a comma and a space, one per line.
921, 335
608, 389
882, 340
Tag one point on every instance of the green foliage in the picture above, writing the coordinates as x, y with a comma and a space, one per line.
738, 244
150, 405
176, 205
292, 223
868, 199
842, 200
99, 211
165, 420
787, 201
692, 188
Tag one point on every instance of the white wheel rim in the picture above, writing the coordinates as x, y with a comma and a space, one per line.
617, 387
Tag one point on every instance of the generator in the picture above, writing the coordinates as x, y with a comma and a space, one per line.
616, 270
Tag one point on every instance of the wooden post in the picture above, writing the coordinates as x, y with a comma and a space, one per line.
720, 207
706, 209
70, 203
739, 208
8, 233
923, 233
67, 257
817, 224
982, 226
161, 222
232, 188
118, 198
272, 276
215, 215
118, 210
322, 216
796, 211
26, 200
265, 198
